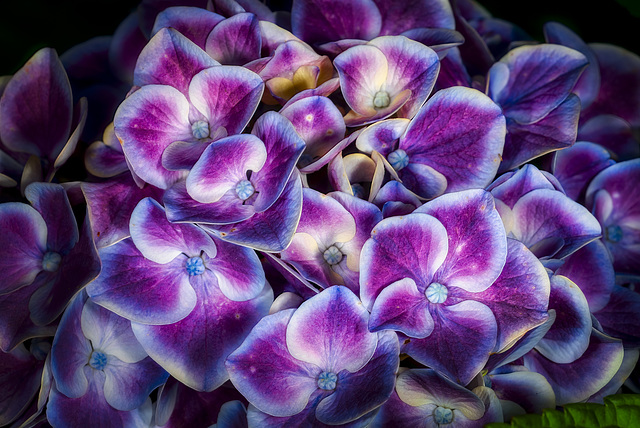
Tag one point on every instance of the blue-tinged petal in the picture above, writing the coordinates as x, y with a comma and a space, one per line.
555, 131
23, 243
146, 123
519, 298
612, 132
464, 335
402, 307
36, 108
110, 205
182, 208
330, 331
528, 100
170, 58
233, 414
92, 409
161, 241
577, 381
223, 165
590, 268
575, 166
236, 40
227, 96
271, 230
382, 136
629, 361
238, 270
477, 242
284, 147
568, 338
423, 180
140, 290
412, 246
620, 318
127, 386
264, 371
217, 327
193, 22
513, 185
70, 351
110, 333
551, 224
530, 390
460, 133
375, 381
321, 21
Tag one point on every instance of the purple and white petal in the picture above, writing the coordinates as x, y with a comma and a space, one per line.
146, 123
127, 386
477, 242
236, 40
382, 136
193, 22
170, 58
530, 390
264, 371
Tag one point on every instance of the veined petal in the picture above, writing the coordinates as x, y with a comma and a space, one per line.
128, 385
194, 23
399, 17
330, 331
236, 40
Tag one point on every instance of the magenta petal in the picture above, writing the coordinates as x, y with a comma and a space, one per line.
568, 337
217, 325
528, 100
110, 205
264, 371
161, 241
236, 40
460, 133
227, 95
170, 59
477, 239
146, 123
463, 337
400, 306
519, 298
317, 21
284, 147
414, 246
23, 243
141, 290
41, 88
579, 380
330, 331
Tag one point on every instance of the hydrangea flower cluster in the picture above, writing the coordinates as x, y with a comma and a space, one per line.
374, 213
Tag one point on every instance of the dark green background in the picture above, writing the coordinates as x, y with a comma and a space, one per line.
27, 25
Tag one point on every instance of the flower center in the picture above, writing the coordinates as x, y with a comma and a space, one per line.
436, 292
398, 159
244, 189
200, 129
442, 415
98, 360
613, 233
332, 255
327, 381
195, 266
381, 99
51, 261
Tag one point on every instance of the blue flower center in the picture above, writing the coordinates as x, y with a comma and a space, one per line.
244, 189
436, 292
381, 99
613, 233
442, 415
358, 190
398, 159
51, 261
332, 255
327, 381
98, 360
195, 266
200, 129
